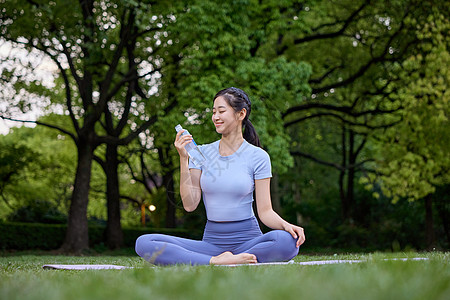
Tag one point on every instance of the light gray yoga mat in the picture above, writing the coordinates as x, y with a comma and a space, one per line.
291, 262
323, 262
84, 267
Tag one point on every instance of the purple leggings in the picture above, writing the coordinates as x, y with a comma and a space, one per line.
238, 237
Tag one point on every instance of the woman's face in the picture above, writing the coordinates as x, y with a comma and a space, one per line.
225, 118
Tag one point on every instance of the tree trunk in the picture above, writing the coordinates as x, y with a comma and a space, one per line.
77, 237
114, 234
167, 168
351, 176
342, 194
170, 200
429, 222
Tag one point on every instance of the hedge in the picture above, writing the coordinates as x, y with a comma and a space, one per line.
27, 236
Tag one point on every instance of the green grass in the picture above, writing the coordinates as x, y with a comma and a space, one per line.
22, 277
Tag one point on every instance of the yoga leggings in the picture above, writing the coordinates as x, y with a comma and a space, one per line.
237, 237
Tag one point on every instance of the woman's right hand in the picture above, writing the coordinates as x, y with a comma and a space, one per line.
181, 141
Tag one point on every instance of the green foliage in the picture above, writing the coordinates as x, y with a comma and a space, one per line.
14, 157
219, 55
48, 175
413, 155
379, 225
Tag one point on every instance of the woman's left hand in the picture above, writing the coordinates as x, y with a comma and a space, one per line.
296, 232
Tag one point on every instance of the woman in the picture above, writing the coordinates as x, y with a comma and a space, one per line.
236, 165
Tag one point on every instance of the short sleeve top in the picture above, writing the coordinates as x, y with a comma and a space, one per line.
228, 182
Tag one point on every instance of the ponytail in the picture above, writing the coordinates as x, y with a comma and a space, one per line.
250, 134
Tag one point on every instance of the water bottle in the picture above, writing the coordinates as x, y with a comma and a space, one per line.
194, 152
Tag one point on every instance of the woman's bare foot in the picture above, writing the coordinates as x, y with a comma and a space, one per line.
228, 258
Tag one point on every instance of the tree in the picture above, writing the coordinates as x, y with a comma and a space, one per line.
351, 46
413, 156
92, 45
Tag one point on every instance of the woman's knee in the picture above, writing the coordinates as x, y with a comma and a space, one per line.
143, 243
139, 245
287, 244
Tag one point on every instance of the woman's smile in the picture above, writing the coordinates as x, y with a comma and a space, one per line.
224, 117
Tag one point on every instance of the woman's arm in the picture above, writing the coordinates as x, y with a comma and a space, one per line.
190, 190
269, 217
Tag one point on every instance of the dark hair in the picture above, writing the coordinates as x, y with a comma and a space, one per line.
238, 100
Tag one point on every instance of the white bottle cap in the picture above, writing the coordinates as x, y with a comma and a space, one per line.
178, 127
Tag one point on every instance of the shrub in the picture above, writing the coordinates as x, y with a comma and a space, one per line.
27, 236
40, 211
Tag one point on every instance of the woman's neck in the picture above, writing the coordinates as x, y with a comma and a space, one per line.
230, 143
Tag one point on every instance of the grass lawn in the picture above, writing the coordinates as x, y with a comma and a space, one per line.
22, 277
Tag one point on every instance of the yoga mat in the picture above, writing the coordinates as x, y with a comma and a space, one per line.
320, 262
291, 262
339, 261
261, 264
84, 267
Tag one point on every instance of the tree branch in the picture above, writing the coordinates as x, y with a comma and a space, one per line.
328, 35
126, 140
144, 32
131, 199
343, 109
363, 69
45, 50
365, 124
361, 146
128, 78
5, 200
109, 122
126, 112
72, 68
322, 162
105, 95
133, 175
330, 164
68, 92
311, 105
101, 162
74, 138
321, 78
299, 120
146, 172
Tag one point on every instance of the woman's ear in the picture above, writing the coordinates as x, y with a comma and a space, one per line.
242, 114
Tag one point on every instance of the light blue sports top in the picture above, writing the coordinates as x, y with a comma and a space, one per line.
227, 182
